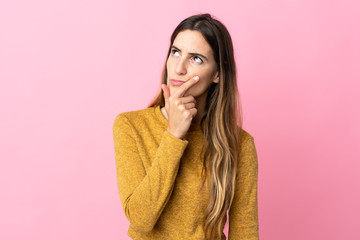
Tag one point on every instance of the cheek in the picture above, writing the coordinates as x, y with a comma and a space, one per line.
169, 63
205, 80
204, 73
199, 88
204, 83
167, 66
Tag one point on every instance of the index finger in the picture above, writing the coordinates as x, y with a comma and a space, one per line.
185, 86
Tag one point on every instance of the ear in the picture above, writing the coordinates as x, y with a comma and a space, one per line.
216, 77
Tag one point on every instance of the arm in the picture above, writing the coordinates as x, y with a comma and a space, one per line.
144, 194
243, 214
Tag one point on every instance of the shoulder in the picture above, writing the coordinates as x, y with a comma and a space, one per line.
247, 143
135, 114
245, 136
134, 118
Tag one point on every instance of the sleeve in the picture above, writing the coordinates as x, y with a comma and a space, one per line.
144, 194
243, 213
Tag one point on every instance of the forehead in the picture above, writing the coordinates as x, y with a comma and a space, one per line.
192, 41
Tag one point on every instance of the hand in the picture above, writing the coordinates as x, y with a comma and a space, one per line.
180, 109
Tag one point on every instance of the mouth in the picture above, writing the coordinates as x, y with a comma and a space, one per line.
176, 82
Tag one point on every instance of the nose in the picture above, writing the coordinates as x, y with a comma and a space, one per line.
180, 67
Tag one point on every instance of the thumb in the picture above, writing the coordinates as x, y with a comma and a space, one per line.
166, 91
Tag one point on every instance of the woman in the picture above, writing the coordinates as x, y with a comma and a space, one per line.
185, 161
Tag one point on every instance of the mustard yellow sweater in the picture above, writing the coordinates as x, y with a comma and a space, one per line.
159, 177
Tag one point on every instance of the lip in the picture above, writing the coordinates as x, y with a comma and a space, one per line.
176, 82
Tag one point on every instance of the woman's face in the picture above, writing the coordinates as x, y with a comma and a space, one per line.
191, 55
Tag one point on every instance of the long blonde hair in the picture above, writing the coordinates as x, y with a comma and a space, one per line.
221, 124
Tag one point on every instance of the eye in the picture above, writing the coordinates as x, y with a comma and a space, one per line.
199, 61
173, 51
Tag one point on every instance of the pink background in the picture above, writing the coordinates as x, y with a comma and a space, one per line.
67, 68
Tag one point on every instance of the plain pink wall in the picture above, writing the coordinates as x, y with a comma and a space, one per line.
67, 68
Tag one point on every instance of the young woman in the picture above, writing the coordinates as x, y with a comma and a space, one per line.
185, 160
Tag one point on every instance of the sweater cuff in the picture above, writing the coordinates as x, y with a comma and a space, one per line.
175, 143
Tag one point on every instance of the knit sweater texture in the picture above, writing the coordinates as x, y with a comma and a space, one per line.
159, 179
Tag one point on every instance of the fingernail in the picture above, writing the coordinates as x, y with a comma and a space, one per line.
196, 78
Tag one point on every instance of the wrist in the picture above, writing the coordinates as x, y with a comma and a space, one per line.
174, 134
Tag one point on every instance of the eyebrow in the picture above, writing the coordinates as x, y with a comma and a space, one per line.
173, 46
